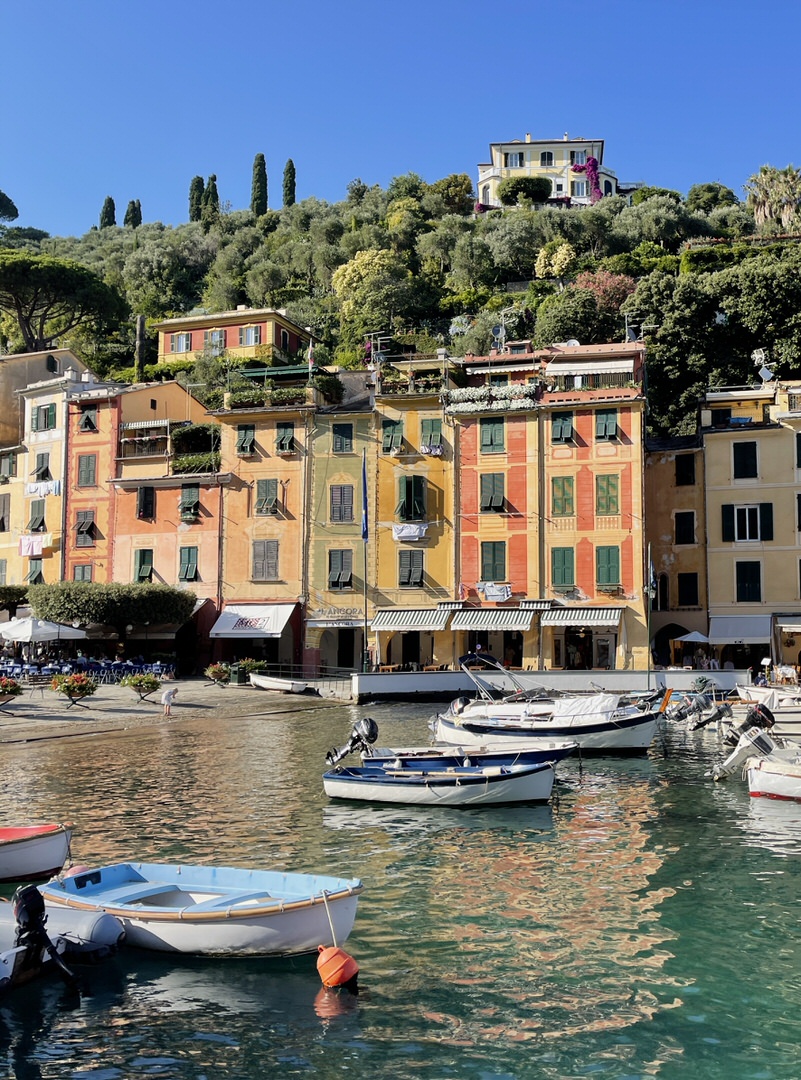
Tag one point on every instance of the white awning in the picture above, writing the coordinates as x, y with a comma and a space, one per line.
789, 624
571, 616
134, 425
588, 367
493, 619
739, 630
252, 621
430, 619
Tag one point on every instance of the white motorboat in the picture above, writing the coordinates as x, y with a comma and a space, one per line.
215, 910
33, 852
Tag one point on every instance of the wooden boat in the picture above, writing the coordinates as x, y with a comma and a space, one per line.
33, 852
215, 910
443, 785
283, 686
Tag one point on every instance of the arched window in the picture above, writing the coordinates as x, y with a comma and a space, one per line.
546, 158
607, 187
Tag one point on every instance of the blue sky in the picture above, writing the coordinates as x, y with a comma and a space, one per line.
134, 99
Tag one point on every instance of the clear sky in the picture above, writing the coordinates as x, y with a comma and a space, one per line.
103, 97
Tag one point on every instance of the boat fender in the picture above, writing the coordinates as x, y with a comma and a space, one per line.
336, 967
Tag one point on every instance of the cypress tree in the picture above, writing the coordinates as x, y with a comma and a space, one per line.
133, 215
108, 215
289, 183
258, 190
196, 193
210, 210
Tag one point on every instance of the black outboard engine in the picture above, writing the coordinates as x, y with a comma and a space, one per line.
718, 713
758, 716
29, 912
363, 735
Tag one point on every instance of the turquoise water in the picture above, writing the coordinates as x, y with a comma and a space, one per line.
644, 925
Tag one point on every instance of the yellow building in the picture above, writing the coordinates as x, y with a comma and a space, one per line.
752, 450
561, 161
265, 334
412, 522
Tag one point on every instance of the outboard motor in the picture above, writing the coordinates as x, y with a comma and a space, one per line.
458, 705
363, 735
717, 714
686, 708
29, 912
758, 716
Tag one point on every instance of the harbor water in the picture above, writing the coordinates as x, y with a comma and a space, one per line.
645, 924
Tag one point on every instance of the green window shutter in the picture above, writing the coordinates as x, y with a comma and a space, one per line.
87, 468
188, 568
410, 573
34, 575
492, 435
562, 496
402, 509
606, 424
271, 559
265, 560
3, 571
5, 509
84, 526
145, 502
562, 567
562, 427
37, 519
607, 566
341, 502
727, 523
493, 561
190, 501
606, 495
267, 496
340, 569
144, 564
51, 415
342, 438
285, 438
334, 568
766, 521
35, 418
245, 438
431, 432
391, 435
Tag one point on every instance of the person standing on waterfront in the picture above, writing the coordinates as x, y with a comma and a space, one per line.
167, 699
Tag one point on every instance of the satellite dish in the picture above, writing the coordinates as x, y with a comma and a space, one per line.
759, 356
497, 331
631, 335
572, 341
765, 374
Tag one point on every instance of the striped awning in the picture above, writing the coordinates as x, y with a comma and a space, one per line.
571, 616
493, 619
410, 619
131, 425
588, 366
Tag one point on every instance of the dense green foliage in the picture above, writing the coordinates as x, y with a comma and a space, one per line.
108, 215
133, 215
8, 211
705, 280
514, 189
110, 605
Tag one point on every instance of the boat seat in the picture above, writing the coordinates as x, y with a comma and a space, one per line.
128, 894
233, 899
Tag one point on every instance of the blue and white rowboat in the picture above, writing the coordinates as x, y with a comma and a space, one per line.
462, 785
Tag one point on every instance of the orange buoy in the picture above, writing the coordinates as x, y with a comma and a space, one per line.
335, 966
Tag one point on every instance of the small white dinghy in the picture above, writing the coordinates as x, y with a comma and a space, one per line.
215, 910
282, 686
33, 852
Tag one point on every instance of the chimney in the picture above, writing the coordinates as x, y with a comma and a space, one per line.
528, 136
565, 136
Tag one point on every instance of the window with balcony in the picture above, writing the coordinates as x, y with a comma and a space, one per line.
748, 577
187, 569
340, 569
684, 524
411, 498
561, 427
342, 438
744, 460
562, 504
748, 522
491, 495
607, 566
85, 528
143, 564
87, 470
180, 343
493, 560
249, 335
563, 574
265, 560
607, 499
410, 569
245, 439
267, 496
492, 435
146, 503
341, 502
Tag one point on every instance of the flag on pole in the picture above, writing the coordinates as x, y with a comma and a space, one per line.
365, 530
